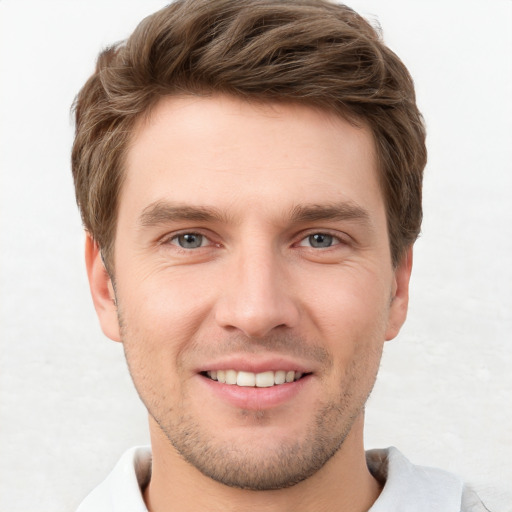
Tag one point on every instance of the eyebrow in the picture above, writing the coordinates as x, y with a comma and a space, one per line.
338, 211
162, 212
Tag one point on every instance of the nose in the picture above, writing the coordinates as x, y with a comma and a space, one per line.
257, 296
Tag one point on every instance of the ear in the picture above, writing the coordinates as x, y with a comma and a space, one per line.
400, 296
102, 291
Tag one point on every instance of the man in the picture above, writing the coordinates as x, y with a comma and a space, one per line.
249, 176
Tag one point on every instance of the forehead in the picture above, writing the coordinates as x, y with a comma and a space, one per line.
230, 154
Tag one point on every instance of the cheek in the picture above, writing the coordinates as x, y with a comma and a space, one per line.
350, 317
350, 303
158, 320
162, 316
166, 302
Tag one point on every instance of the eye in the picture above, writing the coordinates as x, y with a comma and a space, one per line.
190, 240
319, 241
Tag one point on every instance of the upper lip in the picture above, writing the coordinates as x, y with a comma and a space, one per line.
255, 364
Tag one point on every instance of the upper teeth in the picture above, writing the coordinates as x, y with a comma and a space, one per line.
249, 379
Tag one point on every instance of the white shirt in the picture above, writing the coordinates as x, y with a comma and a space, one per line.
407, 488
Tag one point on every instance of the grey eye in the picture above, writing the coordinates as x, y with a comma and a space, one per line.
190, 240
320, 240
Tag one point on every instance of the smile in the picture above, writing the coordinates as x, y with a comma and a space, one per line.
250, 380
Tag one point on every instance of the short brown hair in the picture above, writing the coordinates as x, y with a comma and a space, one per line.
310, 51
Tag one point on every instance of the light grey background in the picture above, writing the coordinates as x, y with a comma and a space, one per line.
444, 395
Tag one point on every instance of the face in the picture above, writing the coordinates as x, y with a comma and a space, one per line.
253, 283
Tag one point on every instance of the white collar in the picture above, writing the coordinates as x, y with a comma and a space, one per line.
407, 487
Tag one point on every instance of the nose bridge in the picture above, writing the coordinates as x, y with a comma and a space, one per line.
256, 298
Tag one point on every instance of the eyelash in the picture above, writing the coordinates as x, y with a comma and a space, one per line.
174, 238
335, 239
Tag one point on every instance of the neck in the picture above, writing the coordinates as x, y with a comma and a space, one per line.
343, 484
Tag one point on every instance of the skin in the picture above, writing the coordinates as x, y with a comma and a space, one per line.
254, 183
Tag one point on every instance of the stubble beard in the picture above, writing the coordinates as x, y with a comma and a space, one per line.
252, 467
249, 466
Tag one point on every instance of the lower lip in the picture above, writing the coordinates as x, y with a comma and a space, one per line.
252, 398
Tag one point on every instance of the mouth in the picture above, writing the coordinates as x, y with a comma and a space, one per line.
245, 379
